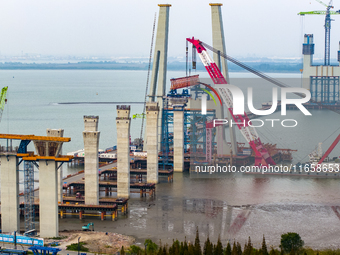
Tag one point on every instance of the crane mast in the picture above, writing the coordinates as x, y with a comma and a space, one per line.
328, 34
262, 157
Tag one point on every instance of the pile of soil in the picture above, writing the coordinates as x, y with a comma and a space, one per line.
96, 242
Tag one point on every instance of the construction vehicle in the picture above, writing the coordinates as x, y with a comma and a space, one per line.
87, 227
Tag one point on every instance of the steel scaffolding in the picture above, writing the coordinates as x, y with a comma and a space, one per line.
29, 210
324, 89
166, 137
194, 126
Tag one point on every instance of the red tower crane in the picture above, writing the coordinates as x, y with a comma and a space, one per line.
262, 157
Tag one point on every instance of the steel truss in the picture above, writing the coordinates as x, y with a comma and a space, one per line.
29, 210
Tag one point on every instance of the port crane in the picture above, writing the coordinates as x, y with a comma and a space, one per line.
328, 21
262, 157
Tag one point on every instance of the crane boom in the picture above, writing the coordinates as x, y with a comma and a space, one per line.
336, 141
322, 3
2, 100
319, 13
262, 156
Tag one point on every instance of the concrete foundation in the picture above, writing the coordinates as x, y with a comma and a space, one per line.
58, 133
48, 199
10, 220
152, 111
219, 44
91, 167
123, 151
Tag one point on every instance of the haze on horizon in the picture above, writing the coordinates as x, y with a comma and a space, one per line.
253, 28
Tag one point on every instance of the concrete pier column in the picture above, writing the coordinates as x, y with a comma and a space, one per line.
91, 123
58, 133
152, 111
10, 220
178, 105
178, 140
123, 151
159, 67
219, 44
48, 199
91, 144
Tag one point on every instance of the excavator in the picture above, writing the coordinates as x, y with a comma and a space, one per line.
87, 227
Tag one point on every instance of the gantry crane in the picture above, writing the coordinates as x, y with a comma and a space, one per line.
262, 157
328, 20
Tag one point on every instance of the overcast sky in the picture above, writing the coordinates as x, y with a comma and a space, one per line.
261, 28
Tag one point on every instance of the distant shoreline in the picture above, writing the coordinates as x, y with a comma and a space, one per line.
277, 67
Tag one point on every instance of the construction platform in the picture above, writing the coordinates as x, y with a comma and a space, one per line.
111, 174
140, 163
144, 188
83, 210
122, 203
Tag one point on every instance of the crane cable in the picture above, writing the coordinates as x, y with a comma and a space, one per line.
148, 77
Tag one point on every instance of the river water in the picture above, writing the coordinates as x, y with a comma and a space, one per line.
271, 205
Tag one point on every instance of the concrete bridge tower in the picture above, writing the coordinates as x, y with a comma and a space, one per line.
219, 44
160, 57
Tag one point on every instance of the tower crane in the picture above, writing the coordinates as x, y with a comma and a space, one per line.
328, 21
262, 157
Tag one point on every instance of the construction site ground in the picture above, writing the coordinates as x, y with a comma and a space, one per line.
96, 242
